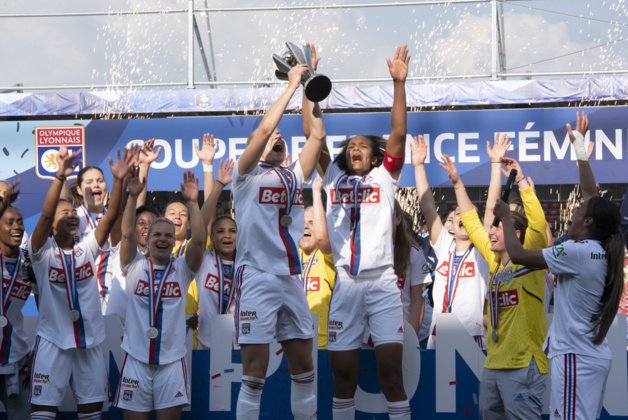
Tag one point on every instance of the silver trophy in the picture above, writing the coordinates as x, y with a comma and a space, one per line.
317, 86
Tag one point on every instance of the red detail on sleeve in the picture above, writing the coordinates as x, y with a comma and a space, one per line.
393, 164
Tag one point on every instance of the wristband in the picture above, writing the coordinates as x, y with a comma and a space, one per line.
459, 187
60, 178
208, 168
222, 183
578, 145
392, 163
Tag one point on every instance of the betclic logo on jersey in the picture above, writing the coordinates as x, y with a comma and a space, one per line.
508, 298
57, 275
48, 141
171, 289
313, 284
20, 291
366, 195
278, 195
467, 269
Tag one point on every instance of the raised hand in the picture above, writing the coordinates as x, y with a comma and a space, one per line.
224, 171
500, 147
208, 149
64, 160
288, 160
452, 172
419, 151
189, 187
121, 168
317, 185
10, 194
147, 153
295, 74
315, 59
582, 126
398, 67
510, 165
135, 186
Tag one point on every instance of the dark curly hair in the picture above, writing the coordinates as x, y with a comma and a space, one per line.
378, 148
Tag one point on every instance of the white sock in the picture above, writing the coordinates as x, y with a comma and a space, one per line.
302, 397
96, 415
399, 410
43, 415
343, 408
249, 398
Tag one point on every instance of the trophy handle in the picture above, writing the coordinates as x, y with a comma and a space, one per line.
281, 75
281, 64
308, 58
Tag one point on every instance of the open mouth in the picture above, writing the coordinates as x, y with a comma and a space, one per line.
17, 235
161, 246
356, 158
278, 147
97, 195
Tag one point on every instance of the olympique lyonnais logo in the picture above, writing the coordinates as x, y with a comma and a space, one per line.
127, 395
508, 298
278, 195
366, 195
48, 141
467, 269
57, 275
246, 328
171, 289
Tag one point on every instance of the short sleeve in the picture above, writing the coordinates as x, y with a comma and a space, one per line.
37, 257
420, 273
562, 258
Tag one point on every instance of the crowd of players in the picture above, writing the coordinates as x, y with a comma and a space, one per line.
357, 264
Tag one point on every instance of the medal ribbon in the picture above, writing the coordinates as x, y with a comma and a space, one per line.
6, 293
154, 301
306, 273
493, 294
90, 219
452, 284
69, 270
354, 182
181, 249
288, 181
223, 304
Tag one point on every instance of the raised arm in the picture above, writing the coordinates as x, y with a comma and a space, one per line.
396, 145
128, 242
255, 148
624, 217
223, 179
587, 180
196, 245
206, 155
426, 199
308, 159
47, 217
321, 235
495, 154
307, 103
464, 202
532, 258
147, 156
119, 170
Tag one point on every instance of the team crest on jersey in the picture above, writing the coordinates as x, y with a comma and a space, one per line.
332, 336
78, 251
127, 395
37, 390
559, 251
246, 328
227, 269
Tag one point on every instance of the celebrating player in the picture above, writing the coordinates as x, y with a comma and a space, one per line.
154, 374
360, 186
588, 289
70, 326
270, 298
515, 363
460, 277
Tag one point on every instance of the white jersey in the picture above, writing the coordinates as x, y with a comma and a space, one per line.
214, 281
54, 322
580, 267
169, 345
418, 274
116, 304
13, 339
464, 294
261, 198
360, 231
104, 271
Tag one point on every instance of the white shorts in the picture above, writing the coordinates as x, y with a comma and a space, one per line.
268, 305
371, 299
143, 387
578, 386
53, 368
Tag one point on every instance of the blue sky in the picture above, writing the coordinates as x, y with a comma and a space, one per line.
353, 42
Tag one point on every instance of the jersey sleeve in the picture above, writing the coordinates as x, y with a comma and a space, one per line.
188, 274
562, 259
133, 271
536, 234
191, 302
91, 245
478, 235
443, 241
420, 270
